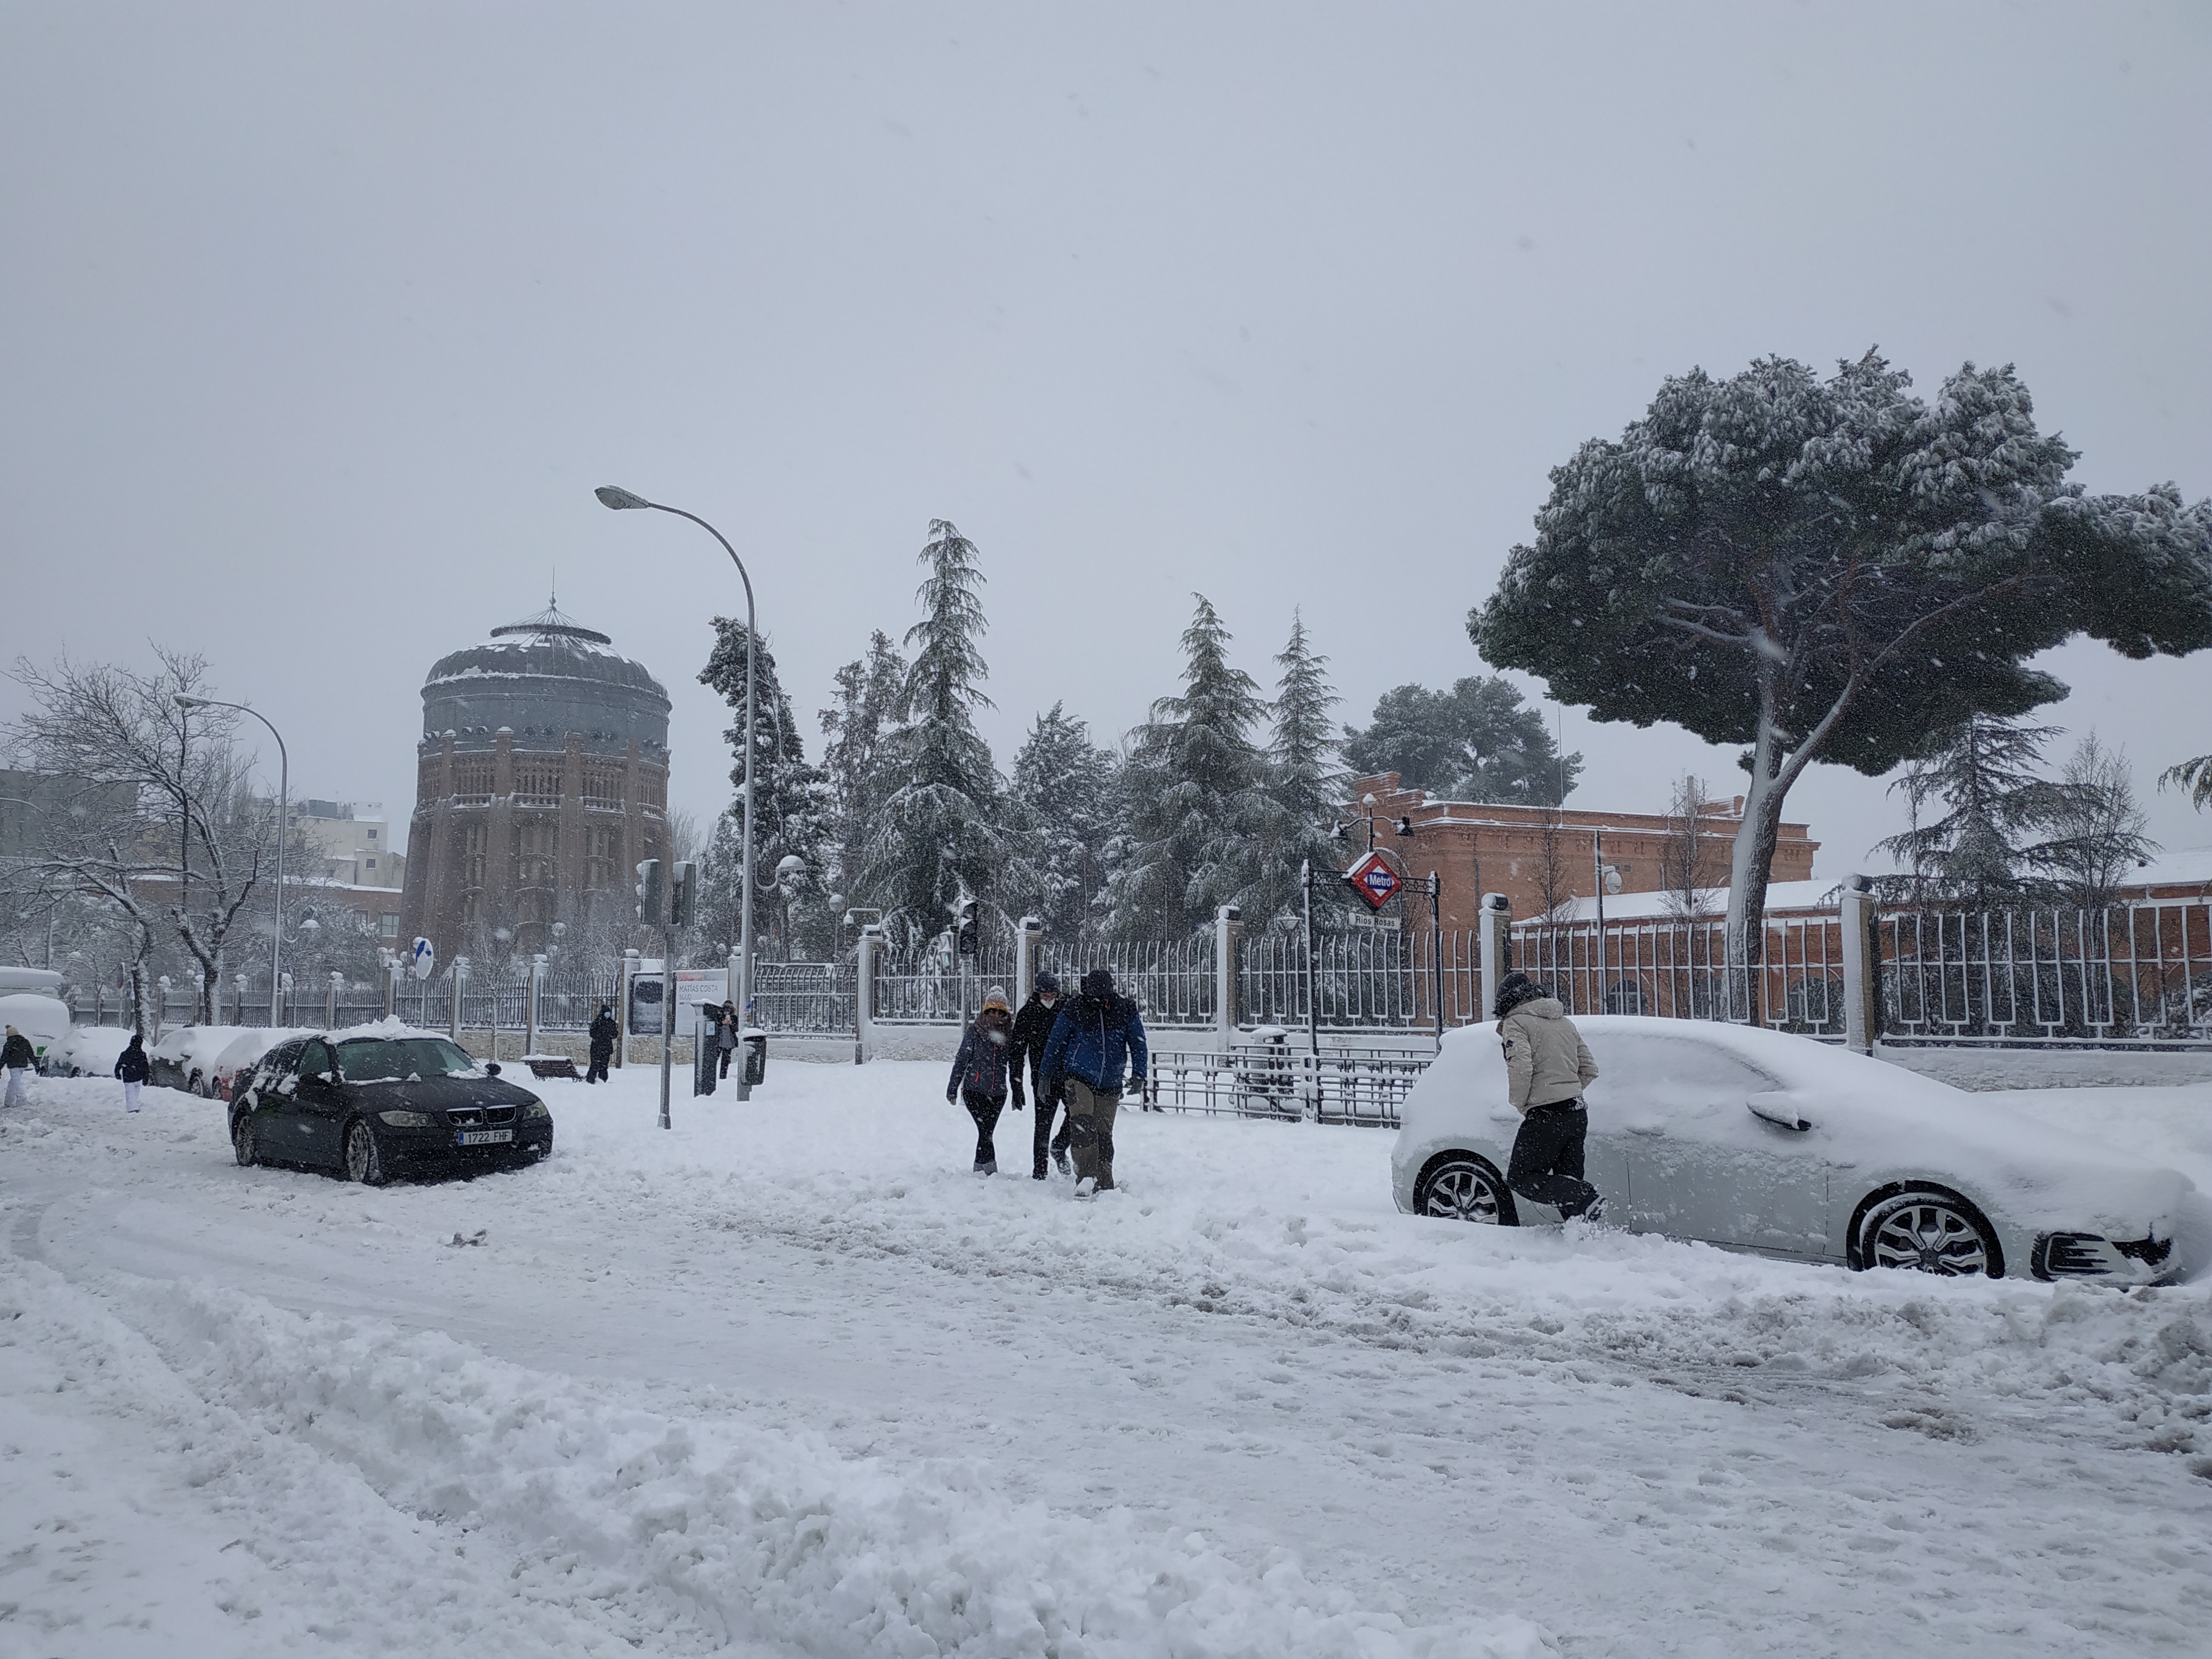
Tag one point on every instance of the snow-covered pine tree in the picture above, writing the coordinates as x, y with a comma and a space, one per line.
1305, 787
1478, 741
791, 809
1983, 771
854, 734
1197, 795
937, 828
1065, 806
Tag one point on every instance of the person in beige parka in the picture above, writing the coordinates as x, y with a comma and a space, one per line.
1547, 1067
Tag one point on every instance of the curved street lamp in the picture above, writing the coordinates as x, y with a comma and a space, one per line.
284, 835
612, 496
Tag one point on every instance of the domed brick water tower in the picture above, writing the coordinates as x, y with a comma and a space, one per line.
542, 780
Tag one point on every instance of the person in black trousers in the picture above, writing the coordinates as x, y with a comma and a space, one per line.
602, 1043
1032, 1031
980, 1075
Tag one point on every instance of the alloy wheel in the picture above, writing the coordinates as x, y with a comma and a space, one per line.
1929, 1235
241, 1140
1462, 1190
363, 1162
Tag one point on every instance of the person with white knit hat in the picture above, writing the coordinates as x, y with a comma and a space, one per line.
979, 1073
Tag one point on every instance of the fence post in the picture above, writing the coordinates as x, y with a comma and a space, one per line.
454, 975
330, 1001
1228, 940
390, 965
1861, 1011
1493, 948
529, 1014
866, 953
622, 978
1028, 939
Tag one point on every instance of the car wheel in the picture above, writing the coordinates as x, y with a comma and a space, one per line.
241, 1141
1462, 1187
1928, 1232
364, 1158
196, 1086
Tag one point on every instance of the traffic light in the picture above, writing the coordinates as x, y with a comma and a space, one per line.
683, 894
969, 941
648, 892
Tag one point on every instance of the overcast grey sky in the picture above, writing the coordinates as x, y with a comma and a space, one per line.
317, 323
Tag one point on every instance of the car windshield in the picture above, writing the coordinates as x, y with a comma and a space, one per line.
401, 1059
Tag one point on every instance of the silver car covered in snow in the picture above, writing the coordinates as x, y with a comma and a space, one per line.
1759, 1140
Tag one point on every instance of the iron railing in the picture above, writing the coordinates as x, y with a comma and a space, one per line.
1278, 1081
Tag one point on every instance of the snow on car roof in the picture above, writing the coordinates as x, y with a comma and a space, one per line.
385, 1029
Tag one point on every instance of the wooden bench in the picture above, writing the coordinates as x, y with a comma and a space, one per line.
544, 1065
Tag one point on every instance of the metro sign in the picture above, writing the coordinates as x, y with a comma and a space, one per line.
1374, 880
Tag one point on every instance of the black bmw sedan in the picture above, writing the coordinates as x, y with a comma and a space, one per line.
377, 1106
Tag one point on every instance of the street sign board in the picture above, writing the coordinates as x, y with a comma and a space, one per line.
422, 959
1374, 880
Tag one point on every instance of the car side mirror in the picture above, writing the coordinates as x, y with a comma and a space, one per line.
491, 1068
1775, 1107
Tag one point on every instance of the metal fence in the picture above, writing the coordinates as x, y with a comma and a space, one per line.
803, 996
1173, 982
1678, 971
2139, 973
1276, 1080
933, 987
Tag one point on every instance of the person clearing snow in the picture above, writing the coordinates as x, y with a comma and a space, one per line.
1096, 1036
1547, 1067
979, 1074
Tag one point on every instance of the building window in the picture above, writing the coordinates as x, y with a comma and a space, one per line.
602, 858
473, 838
537, 782
370, 862
602, 786
535, 846
387, 925
472, 781
372, 835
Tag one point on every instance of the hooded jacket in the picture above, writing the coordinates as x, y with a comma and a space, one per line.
1095, 1038
131, 1065
979, 1068
603, 1034
17, 1051
1032, 1031
1546, 1062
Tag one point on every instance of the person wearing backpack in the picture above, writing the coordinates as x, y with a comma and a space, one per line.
1098, 1037
979, 1073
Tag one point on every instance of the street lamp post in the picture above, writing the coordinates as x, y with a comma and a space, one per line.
612, 496
284, 834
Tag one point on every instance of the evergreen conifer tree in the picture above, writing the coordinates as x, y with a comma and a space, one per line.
855, 732
936, 829
1306, 787
791, 807
1983, 771
1197, 795
1478, 741
1066, 803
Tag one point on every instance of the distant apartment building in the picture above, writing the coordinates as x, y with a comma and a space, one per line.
349, 846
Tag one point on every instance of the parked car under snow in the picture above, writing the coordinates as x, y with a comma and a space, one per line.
184, 1058
1757, 1140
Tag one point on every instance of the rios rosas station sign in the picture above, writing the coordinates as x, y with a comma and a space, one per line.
1374, 881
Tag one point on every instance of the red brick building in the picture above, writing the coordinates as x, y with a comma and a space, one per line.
1518, 851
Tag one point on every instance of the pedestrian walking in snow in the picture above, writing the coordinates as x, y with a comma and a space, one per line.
1547, 1067
726, 1035
16, 1054
134, 1068
979, 1073
602, 1043
1032, 1031
1095, 1039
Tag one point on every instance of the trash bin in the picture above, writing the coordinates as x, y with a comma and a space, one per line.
755, 1058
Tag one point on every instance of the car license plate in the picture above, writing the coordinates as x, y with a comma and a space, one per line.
486, 1137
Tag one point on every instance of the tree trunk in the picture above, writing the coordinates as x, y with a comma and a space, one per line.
1750, 864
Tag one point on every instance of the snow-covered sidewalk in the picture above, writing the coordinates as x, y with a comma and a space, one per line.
788, 1378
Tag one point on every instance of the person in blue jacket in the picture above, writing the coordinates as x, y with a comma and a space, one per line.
1097, 1037
980, 1075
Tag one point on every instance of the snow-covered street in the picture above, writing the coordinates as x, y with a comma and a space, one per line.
789, 1379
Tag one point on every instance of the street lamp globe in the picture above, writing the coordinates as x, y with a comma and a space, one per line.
616, 496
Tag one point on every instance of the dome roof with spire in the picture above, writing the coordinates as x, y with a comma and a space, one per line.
542, 679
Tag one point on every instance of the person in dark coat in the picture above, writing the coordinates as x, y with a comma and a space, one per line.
134, 1068
726, 1035
1097, 1036
1032, 1031
980, 1074
602, 1043
17, 1056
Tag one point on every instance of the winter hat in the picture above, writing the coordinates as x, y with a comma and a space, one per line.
1514, 990
1098, 983
1048, 984
996, 998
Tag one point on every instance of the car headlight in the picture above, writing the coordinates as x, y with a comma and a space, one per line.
407, 1120
535, 1112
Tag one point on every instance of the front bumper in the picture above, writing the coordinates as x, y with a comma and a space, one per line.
2150, 1261
442, 1148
